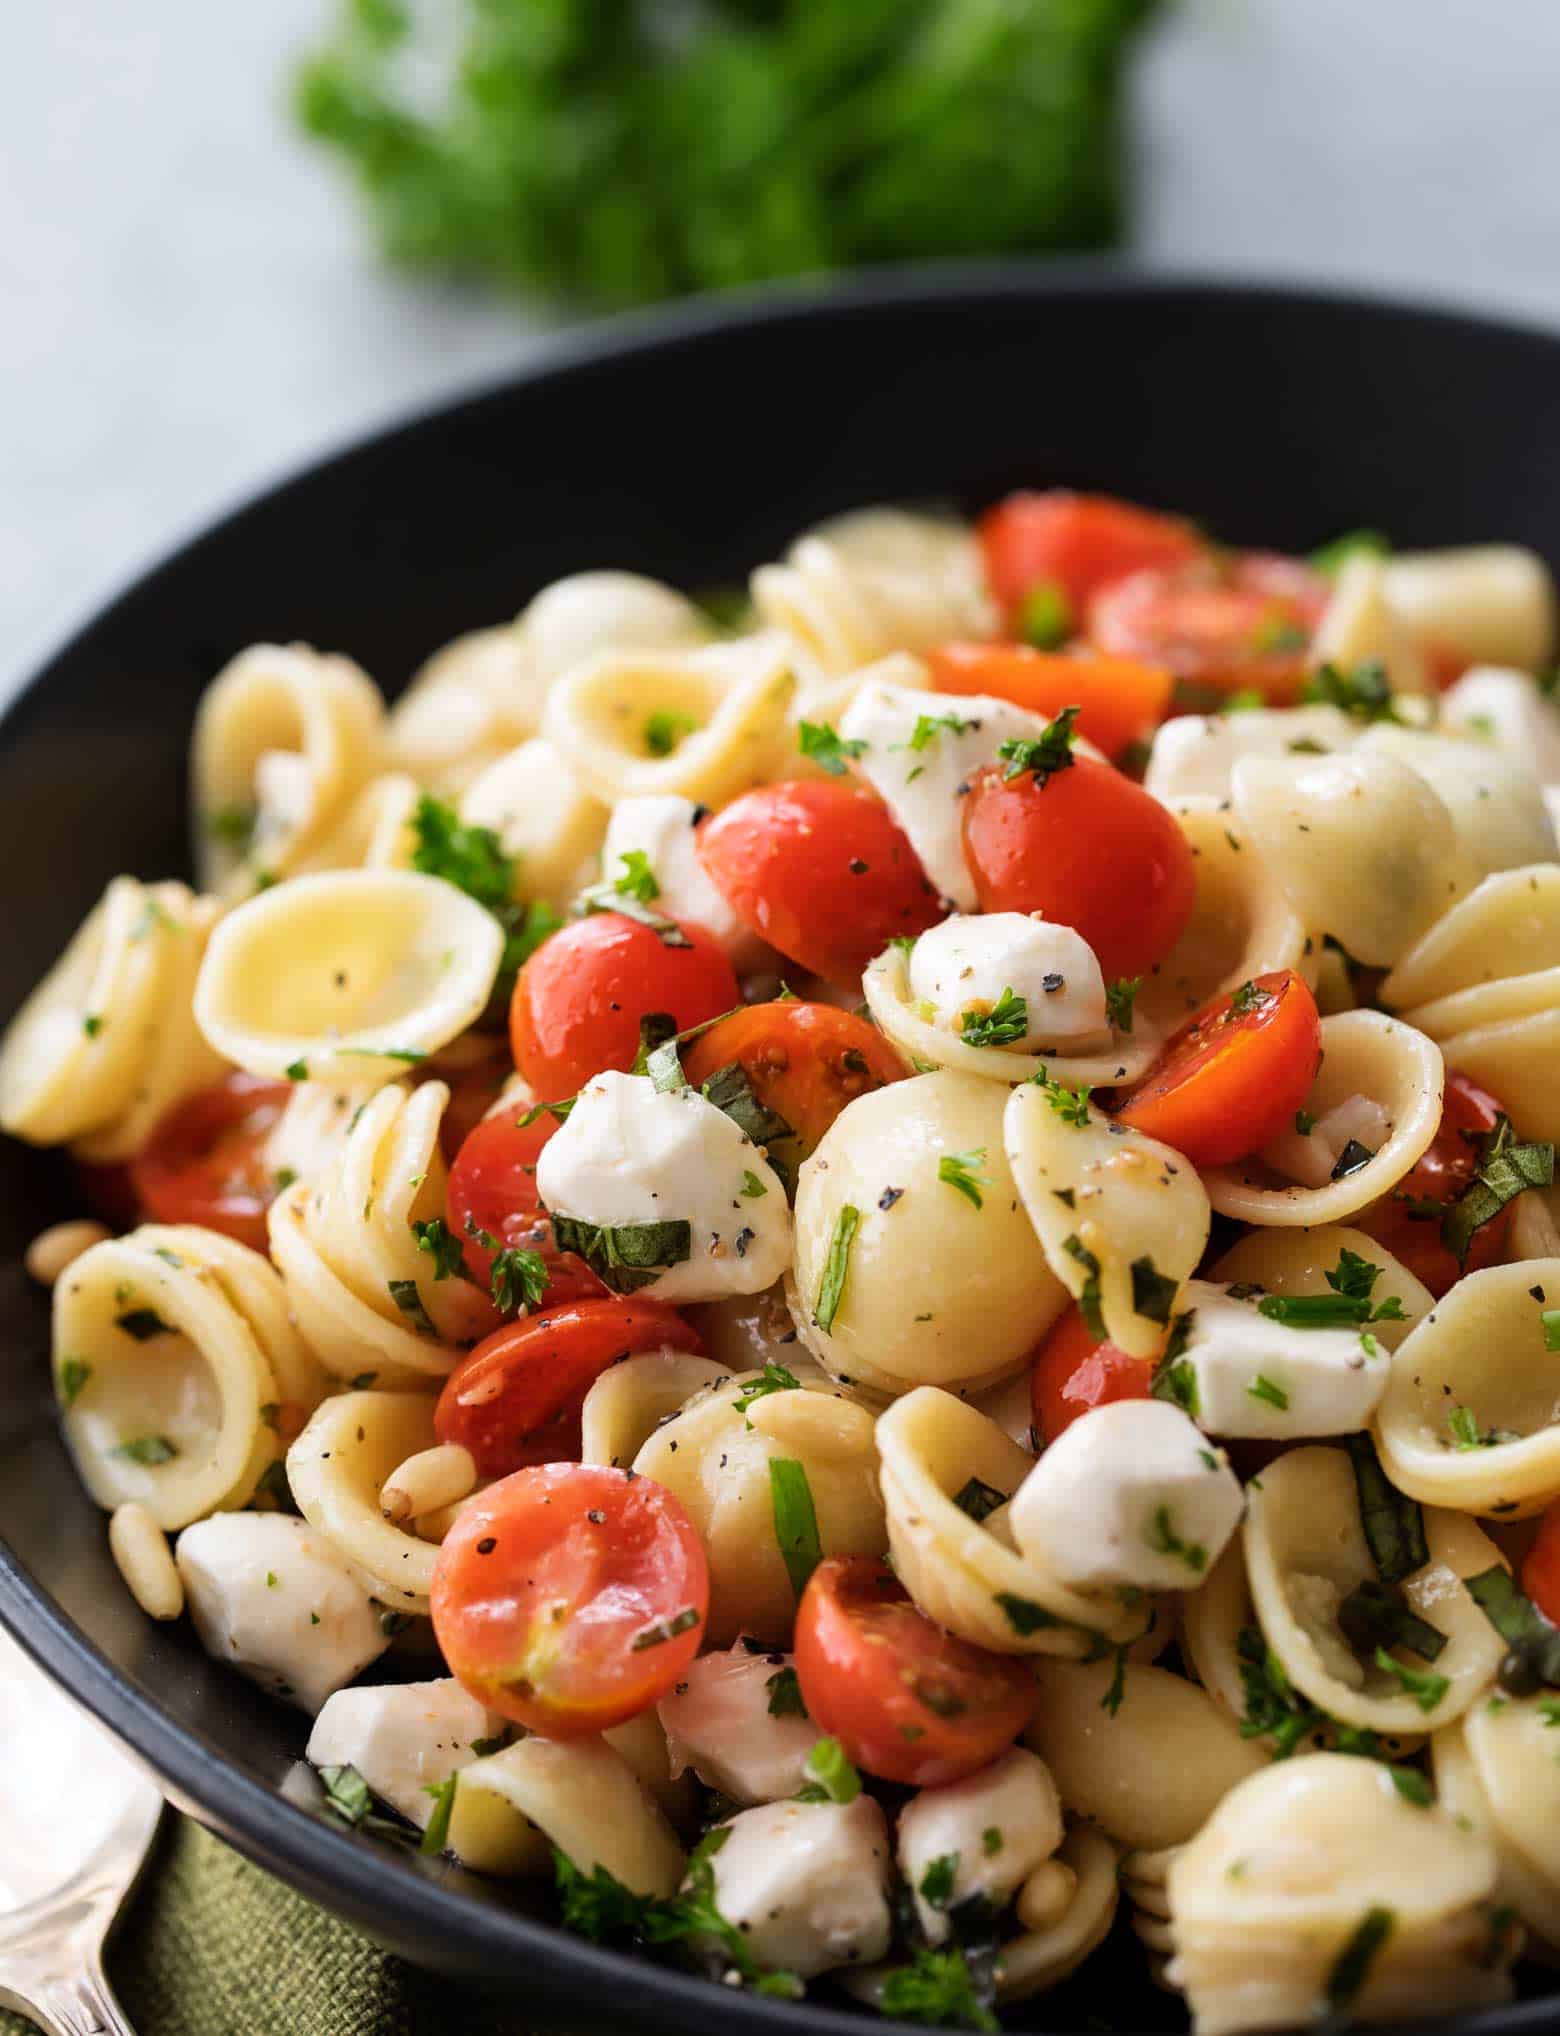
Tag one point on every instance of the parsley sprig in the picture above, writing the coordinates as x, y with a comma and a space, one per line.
1348, 1306
1043, 755
1003, 1025
474, 861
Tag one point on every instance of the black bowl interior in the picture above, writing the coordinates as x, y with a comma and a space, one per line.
691, 449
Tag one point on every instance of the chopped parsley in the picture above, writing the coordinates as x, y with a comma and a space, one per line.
1121, 1000
437, 1835
836, 1269
406, 1297
1549, 1319
147, 1450
1153, 1294
625, 1256
929, 726
519, 1279
1412, 1786
830, 1776
473, 859
1006, 1022
1044, 755
795, 1520
961, 1170
1023, 1614
665, 730
1071, 1105
938, 1990
1425, 1686
638, 879
1248, 998
74, 1373
1045, 615
91, 1026
826, 747
752, 1186
442, 1246
1466, 1432
1276, 1710
1164, 1540
1328, 559
1089, 1292
1351, 1969
937, 1882
1347, 1306
1363, 693
298, 1071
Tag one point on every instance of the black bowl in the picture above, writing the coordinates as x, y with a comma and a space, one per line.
689, 448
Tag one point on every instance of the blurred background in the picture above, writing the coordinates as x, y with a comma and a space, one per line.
196, 294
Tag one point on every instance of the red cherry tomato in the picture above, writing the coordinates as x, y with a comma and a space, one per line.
492, 1191
1074, 1372
1075, 543
1232, 1077
1219, 624
820, 869
803, 1061
205, 1162
516, 1398
1440, 1176
570, 1596
1089, 849
908, 1701
579, 999
1119, 699
1541, 1566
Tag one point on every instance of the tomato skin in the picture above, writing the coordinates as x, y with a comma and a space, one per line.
1541, 1566
864, 1656
1074, 1372
1440, 1175
1079, 543
492, 1188
548, 1578
1088, 849
1209, 622
579, 999
821, 870
805, 1061
205, 1161
1119, 698
515, 1398
1227, 1082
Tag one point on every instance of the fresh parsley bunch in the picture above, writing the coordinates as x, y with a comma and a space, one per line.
619, 150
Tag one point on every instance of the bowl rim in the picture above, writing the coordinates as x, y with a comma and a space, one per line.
385, 1892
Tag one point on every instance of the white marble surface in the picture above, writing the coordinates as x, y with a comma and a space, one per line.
187, 306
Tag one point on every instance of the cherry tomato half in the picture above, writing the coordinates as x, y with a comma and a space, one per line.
1233, 1076
492, 1191
1541, 1566
1088, 849
516, 1398
1439, 1177
1075, 1372
1075, 543
803, 1061
1219, 624
579, 999
205, 1162
820, 869
1119, 699
570, 1596
908, 1701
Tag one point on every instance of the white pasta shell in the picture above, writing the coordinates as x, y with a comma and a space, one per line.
630, 1401
1484, 604
1298, 1262
1359, 625
347, 975
465, 707
535, 801
1040, 1959
1364, 1053
336, 1469
1511, 1788
579, 1796
375, 832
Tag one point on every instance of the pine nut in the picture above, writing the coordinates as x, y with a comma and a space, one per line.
1045, 1897
428, 1481
53, 1250
145, 1561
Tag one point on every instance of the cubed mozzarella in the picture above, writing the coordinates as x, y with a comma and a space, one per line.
1506, 707
968, 965
1130, 1495
806, 1884
663, 828
1193, 754
403, 1738
630, 1154
995, 1826
718, 1722
270, 1596
1246, 1375
924, 788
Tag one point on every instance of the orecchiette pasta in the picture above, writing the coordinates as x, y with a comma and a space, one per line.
348, 975
1497, 1767
376, 832
1496, 803
284, 740
337, 1468
1306, 1554
1042, 1958
1469, 1416
107, 1042
1298, 1262
1482, 604
536, 803
466, 706
941, 1284
579, 1795
367, 1298
630, 1401
1360, 625
964, 1571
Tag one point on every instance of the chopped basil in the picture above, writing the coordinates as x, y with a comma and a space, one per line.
1351, 1969
1519, 1622
795, 1520
1121, 1000
661, 1630
1374, 1615
147, 1450
1043, 755
830, 1774
1089, 1294
824, 746
773, 1379
1348, 1305
978, 1499
1505, 1168
143, 1324
1393, 1524
831, 1290
1423, 1685
732, 1094
437, 1835
1363, 692
442, 1246
1024, 1615
406, 1297
1177, 1382
638, 879
960, 1170
1353, 1156
558, 1111
785, 1694
73, 1375
1412, 1786
601, 898
298, 1071
346, 1793
519, 1279
1006, 1022
1153, 1294
625, 1256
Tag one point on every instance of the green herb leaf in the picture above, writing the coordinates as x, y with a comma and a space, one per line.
830, 1772
520, 1279
664, 731
442, 1246
752, 1186
795, 1520
1519, 1622
929, 726
836, 1269
1164, 1540
346, 1793
1121, 1001
638, 879
1071, 1105
937, 1882
1006, 1022
1044, 755
1089, 1295
1348, 1306
730, 1090
298, 1071
1352, 1967
1363, 693
937, 1989
960, 1170
773, 1379
1328, 559
1374, 1615
1276, 1710
1394, 1524
824, 746
1045, 615
1153, 1295
1248, 998
1423, 1685
147, 1450
785, 1694
978, 1499
1505, 1168
437, 1836
73, 1375
1024, 1615
602, 898
406, 1297
625, 1256
1412, 1786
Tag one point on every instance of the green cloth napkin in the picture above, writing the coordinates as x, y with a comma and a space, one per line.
211, 1946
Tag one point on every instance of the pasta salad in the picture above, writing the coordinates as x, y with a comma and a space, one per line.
869, 1278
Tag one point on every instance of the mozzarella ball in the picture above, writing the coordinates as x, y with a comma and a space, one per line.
806, 1884
966, 967
403, 1738
1248, 1376
629, 1154
270, 1596
663, 828
718, 1721
1130, 1495
996, 1826
943, 1282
